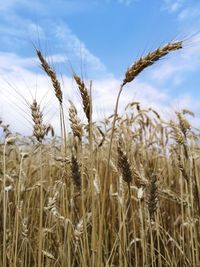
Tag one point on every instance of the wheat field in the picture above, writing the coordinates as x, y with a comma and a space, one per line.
120, 192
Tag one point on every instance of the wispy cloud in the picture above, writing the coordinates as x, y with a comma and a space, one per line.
173, 5
5, 5
123, 2
17, 32
126, 2
74, 46
190, 13
45, 6
186, 12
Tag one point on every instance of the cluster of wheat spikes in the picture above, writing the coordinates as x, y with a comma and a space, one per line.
118, 193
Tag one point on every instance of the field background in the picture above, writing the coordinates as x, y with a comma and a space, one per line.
99, 134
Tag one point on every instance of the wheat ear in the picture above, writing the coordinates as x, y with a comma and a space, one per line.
51, 73
124, 165
39, 129
75, 172
76, 125
84, 95
153, 197
149, 60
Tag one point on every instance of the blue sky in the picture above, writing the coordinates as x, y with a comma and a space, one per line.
100, 38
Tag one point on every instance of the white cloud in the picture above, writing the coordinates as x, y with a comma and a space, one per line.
26, 82
19, 86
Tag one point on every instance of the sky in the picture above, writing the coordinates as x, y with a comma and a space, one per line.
98, 40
